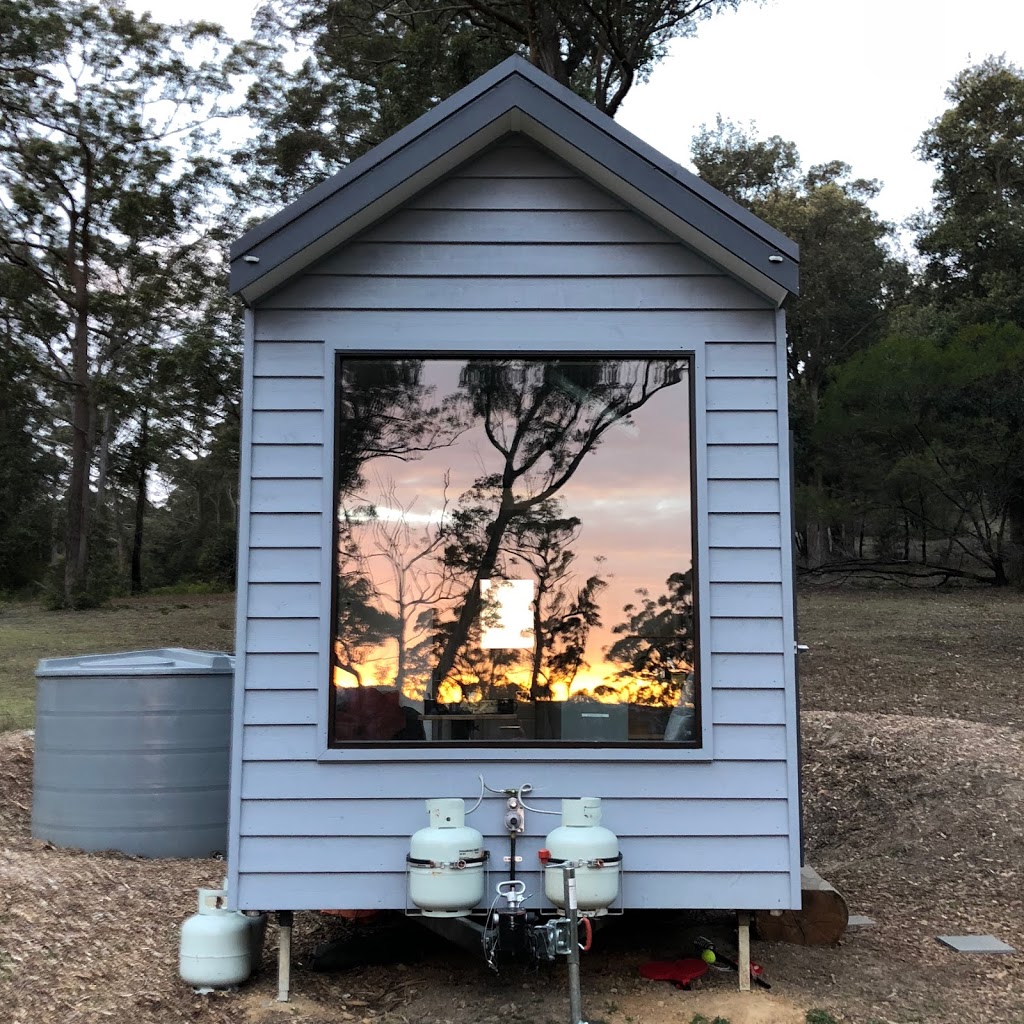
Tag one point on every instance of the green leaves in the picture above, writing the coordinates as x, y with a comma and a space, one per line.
108, 242
974, 238
370, 68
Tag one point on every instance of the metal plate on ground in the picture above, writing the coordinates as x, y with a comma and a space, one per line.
975, 944
860, 921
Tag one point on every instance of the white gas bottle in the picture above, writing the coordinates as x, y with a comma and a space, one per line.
216, 944
594, 852
446, 862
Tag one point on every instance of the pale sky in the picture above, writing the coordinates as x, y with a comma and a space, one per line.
858, 82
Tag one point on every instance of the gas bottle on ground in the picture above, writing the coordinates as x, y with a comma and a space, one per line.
217, 944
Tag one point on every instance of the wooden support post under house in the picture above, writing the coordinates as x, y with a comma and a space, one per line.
743, 947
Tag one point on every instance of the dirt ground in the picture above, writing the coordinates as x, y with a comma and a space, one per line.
914, 808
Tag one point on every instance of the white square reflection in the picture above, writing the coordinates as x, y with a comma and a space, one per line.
506, 613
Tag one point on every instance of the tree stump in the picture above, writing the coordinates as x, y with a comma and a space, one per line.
821, 921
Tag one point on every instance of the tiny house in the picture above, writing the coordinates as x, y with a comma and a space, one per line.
515, 513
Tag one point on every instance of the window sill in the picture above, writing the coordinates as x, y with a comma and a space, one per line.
436, 752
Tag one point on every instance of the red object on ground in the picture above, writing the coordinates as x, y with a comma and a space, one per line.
680, 972
353, 915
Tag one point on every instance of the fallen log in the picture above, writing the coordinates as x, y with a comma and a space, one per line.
820, 922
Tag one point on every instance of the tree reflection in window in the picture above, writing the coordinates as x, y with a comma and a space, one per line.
501, 525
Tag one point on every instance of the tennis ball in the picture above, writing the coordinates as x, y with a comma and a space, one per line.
708, 956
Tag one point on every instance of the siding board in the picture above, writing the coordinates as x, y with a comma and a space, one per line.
391, 259
748, 600
288, 600
298, 530
287, 460
750, 393
743, 462
469, 330
746, 636
387, 890
307, 780
291, 393
750, 565
273, 707
725, 496
743, 428
725, 359
749, 707
509, 161
513, 226
324, 291
514, 194
281, 671
299, 636
282, 565
288, 495
288, 357
287, 427
747, 670
402, 817
303, 742
754, 530
323, 854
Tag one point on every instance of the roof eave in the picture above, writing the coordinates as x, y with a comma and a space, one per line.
514, 97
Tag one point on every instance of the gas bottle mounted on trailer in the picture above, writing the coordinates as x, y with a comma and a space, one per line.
581, 869
583, 843
446, 862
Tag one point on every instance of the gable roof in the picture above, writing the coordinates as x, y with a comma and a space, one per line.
514, 97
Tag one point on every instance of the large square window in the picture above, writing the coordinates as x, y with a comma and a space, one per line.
512, 553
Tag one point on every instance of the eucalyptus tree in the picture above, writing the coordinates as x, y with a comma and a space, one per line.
935, 426
368, 68
850, 281
656, 640
108, 169
541, 421
973, 237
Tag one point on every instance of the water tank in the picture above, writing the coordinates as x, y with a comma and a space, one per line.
131, 752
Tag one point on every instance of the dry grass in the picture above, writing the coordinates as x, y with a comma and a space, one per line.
28, 633
914, 798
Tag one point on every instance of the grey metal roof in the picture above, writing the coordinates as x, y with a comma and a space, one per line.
514, 96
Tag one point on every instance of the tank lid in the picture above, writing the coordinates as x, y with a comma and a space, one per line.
447, 813
586, 810
165, 661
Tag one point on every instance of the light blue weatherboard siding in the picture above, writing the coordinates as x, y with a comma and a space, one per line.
466, 266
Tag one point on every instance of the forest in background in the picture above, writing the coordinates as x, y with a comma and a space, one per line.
120, 349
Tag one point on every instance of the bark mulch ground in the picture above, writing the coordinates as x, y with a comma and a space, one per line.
914, 809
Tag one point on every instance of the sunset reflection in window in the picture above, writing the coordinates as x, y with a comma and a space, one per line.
513, 551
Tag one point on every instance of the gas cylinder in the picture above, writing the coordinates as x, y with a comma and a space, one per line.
217, 944
592, 849
446, 862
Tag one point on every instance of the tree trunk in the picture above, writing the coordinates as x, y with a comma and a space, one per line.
545, 42
140, 502
1015, 549
76, 553
471, 606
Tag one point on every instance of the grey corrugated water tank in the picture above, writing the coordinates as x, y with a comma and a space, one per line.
131, 752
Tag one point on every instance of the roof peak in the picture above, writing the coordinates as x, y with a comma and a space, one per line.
513, 96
